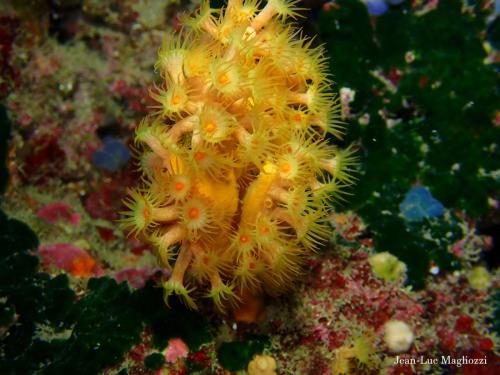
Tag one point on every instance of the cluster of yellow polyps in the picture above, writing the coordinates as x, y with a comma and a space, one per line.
237, 172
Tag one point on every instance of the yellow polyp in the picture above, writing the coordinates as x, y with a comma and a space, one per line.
263, 17
176, 99
199, 155
269, 168
210, 127
175, 165
194, 213
223, 194
182, 264
250, 103
180, 128
157, 147
256, 195
330, 165
165, 214
236, 168
146, 212
285, 167
171, 236
268, 203
223, 79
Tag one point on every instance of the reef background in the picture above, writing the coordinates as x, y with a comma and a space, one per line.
418, 83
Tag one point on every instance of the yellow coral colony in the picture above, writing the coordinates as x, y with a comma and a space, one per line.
237, 171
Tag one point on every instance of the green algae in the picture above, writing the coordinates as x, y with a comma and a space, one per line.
430, 128
104, 324
154, 361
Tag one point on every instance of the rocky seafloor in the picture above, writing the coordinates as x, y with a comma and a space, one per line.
412, 260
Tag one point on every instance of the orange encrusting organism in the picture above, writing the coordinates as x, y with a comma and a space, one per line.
238, 173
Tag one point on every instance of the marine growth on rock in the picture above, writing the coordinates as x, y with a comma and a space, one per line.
238, 172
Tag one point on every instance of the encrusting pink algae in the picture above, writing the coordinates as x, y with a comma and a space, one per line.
238, 173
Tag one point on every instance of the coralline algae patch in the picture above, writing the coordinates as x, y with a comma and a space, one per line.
58, 212
348, 320
336, 323
68, 257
